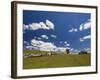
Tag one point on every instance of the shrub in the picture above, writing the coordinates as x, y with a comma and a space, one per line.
83, 52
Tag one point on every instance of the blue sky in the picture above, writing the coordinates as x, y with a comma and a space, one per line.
62, 29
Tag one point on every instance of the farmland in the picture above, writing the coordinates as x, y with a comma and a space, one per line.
59, 60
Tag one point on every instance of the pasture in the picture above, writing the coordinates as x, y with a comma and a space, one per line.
53, 61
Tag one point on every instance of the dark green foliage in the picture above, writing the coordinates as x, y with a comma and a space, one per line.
67, 51
83, 52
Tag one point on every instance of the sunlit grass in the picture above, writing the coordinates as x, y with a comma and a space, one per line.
64, 60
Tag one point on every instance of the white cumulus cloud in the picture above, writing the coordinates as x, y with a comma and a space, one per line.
26, 43
85, 25
85, 37
81, 39
66, 44
87, 50
44, 36
73, 30
46, 46
61, 49
25, 27
38, 38
29, 47
34, 26
49, 24
53, 36
41, 25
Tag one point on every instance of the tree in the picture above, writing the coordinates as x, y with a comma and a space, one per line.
83, 52
67, 51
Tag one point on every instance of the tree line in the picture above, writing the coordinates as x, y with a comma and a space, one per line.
81, 52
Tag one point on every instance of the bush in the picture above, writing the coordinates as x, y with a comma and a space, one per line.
83, 52
67, 51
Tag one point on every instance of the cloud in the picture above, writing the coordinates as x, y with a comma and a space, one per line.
85, 25
35, 26
29, 47
41, 25
87, 50
81, 39
49, 24
60, 42
46, 46
66, 43
73, 30
44, 36
25, 27
41, 45
85, 37
74, 51
38, 38
26, 43
53, 36
60, 49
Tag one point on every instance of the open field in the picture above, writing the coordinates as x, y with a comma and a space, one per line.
63, 60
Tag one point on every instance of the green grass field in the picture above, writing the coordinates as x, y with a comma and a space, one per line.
64, 60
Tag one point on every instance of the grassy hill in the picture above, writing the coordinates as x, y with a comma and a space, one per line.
63, 60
